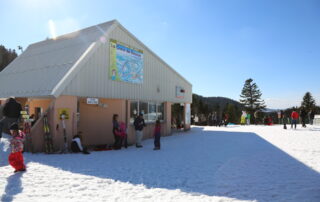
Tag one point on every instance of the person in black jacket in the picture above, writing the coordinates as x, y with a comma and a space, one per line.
303, 115
11, 112
138, 125
311, 116
76, 145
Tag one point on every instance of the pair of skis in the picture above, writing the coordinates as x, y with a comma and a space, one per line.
48, 143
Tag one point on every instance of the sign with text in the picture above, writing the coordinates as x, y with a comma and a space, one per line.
92, 101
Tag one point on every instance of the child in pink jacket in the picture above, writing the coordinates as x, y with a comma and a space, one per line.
16, 144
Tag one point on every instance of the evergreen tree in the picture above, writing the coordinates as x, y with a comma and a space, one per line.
308, 102
231, 111
251, 97
6, 56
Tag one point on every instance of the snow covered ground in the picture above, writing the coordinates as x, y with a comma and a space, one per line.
237, 163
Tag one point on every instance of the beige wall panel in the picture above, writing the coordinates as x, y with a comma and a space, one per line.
96, 121
93, 79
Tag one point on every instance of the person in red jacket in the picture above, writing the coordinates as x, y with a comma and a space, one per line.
294, 119
16, 143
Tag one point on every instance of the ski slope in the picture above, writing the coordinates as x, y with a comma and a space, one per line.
234, 163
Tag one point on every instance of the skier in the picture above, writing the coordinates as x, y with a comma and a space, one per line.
11, 113
157, 135
16, 144
294, 119
303, 115
76, 145
138, 125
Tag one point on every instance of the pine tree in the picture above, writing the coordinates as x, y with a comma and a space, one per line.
308, 102
251, 97
6, 56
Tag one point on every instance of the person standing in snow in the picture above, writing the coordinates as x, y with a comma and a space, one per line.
215, 119
279, 116
303, 115
294, 119
283, 119
116, 132
256, 116
11, 113
76, 145
16, 144
311, 116
243, 118
226, 119
248, 118
157, 135
138, 125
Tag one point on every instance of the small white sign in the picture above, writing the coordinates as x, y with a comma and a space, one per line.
92, 101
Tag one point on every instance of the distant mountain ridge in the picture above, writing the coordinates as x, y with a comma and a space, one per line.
213, 102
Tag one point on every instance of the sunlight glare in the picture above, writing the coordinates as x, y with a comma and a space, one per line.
52, 29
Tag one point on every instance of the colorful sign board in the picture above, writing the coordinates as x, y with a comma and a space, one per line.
65, 112
126, 63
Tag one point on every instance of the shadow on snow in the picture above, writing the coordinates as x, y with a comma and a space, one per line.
215, 163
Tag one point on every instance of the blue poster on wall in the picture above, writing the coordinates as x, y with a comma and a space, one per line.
126, 63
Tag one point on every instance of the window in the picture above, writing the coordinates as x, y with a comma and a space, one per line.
133, 110
143, 108
151, 110
160, 111
152, 113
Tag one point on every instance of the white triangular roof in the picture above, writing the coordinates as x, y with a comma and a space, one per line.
43, 67
46, 68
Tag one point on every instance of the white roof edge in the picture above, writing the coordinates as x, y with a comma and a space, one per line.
58, 89
67, 77
129, 33
114, 21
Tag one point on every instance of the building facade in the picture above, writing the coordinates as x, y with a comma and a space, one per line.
89, 75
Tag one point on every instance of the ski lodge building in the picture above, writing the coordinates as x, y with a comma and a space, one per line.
88, 76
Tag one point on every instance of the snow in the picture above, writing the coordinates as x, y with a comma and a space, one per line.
234, 163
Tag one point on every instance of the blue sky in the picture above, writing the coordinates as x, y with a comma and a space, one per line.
216, 45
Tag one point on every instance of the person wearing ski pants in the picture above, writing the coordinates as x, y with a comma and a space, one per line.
16, 143
138, 125
294, 119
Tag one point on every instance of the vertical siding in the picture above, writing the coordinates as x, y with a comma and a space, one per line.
93, 79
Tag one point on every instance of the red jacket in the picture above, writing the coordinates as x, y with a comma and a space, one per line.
294, 115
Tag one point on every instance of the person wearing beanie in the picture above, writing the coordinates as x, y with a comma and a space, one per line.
138, 125
11, 114
16, 144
